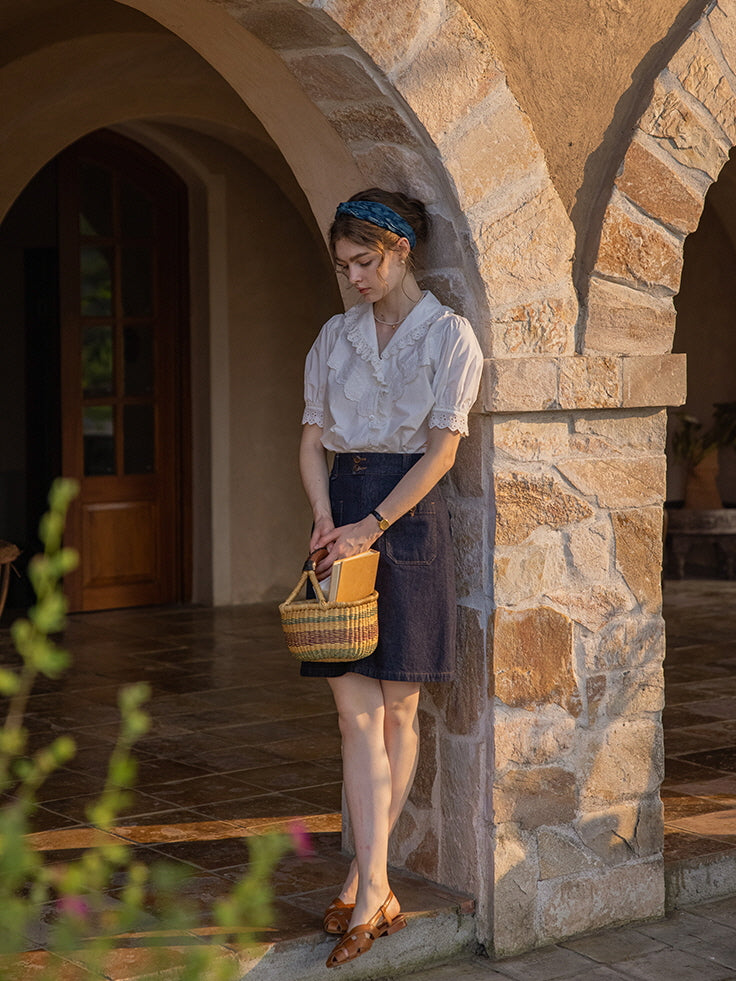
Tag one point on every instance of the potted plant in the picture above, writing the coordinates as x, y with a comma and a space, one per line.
698, 451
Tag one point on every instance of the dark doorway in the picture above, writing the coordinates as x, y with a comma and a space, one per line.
94, 369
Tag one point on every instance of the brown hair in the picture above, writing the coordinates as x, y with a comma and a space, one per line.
379, 239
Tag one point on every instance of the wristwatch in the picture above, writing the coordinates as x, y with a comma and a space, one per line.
383, 523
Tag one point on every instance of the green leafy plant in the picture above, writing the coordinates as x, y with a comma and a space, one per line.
690, 442
105, 894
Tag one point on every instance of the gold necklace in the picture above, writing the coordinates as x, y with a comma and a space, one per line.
385, 323
393, 326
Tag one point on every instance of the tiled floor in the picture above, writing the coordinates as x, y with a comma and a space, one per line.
690, 945
240, 743
699, 791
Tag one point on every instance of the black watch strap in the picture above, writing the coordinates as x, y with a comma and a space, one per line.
383, 523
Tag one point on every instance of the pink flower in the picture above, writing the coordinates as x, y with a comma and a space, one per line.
301, 839
73, 906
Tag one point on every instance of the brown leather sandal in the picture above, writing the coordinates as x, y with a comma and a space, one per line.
360, 938
337, 917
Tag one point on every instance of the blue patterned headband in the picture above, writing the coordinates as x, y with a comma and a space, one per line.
380, 215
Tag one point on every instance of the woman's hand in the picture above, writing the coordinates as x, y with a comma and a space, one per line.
347, 540
323, 528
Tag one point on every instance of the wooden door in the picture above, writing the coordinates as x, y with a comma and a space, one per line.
123, 359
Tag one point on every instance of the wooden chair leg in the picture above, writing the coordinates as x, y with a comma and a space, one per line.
4, 583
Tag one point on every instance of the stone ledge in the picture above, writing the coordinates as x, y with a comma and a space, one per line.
535, 384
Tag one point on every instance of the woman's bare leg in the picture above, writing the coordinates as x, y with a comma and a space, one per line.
401, 738
378, 722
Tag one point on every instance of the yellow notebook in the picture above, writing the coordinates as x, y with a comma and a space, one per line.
354, 577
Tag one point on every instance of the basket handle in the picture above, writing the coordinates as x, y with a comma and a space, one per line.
309, 573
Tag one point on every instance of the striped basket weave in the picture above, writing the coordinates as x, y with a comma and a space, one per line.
316, 630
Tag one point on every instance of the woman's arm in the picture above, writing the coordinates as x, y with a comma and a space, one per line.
313, 468
351, 539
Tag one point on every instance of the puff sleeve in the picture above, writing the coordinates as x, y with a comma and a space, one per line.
457, 376
315, 374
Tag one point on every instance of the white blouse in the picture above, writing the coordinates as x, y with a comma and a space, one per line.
427, 377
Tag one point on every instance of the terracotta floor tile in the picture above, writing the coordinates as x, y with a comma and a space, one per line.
207, 789
721, 787
315, 824
288, 776
274, 806
714, 708
687, 740
307, 748
75, 808
192, 831
680, 716
133, 963
677, 805
235, 758
25, 967
291, 921
67, 783
328, 795
160, 772
69, 838
678, 770
44, 819
680, 845
719, 824
209, 855
717, 759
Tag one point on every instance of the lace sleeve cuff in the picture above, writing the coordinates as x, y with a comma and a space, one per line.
456, 421
313, 415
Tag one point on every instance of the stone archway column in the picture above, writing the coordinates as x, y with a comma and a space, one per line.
538, 789
575, 645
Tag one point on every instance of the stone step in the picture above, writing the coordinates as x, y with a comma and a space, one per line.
431, 937
700, 878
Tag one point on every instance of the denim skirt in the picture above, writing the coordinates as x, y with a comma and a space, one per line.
415, 579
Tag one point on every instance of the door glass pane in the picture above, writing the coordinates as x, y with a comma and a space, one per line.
136, 211
139, 443
137, 282
138, 344
98, 427
95, 269
97, 363
95, 200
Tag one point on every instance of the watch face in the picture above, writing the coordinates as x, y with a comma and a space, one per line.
383, 524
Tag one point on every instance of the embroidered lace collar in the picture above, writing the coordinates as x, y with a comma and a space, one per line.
361, 330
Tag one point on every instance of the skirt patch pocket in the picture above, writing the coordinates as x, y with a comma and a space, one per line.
412, 540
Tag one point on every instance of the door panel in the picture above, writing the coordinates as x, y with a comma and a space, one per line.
123, 397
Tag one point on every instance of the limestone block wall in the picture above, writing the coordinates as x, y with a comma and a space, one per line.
578, 643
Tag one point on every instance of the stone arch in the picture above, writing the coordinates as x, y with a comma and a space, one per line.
677, 150
423, 103
412, 94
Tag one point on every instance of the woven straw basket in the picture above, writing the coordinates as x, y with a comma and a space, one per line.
316, 630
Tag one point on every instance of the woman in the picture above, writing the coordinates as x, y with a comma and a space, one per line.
388, 386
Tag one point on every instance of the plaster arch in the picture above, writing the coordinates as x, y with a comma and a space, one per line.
126, 73
677, 151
